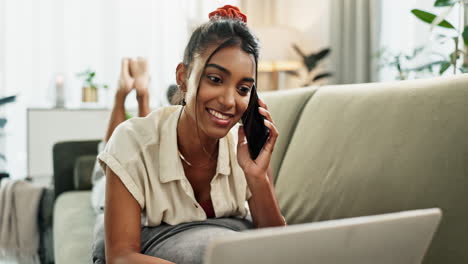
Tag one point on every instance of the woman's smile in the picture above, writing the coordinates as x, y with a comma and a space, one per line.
219, 118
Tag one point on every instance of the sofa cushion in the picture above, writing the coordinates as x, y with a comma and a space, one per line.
378, 148
73, 228
83, 171
285, 108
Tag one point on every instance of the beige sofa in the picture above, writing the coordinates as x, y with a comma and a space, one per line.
345, 151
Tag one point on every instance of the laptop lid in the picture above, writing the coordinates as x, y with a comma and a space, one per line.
402, 238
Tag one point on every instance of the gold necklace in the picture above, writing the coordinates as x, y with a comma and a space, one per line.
183, 158
190, 164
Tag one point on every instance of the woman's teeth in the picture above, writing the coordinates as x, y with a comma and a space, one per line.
218, 114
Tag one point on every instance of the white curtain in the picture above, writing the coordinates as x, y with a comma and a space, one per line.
355, 33
40, 39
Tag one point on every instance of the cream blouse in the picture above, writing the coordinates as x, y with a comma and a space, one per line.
143, 153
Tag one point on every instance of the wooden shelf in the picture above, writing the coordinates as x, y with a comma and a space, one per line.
279, 66
275, 67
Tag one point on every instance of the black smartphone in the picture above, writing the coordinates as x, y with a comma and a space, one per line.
254, 127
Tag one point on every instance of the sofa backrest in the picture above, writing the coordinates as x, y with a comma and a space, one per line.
64, 156
285, 108
384, 147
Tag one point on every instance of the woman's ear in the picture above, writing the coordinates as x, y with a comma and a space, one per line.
181, 76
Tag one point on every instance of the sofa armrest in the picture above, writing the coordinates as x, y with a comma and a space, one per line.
65, 155
83, 171
45, 216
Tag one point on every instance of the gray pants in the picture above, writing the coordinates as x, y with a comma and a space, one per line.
183, 243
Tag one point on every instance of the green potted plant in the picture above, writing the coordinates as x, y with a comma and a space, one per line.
457, 34
406, 63
90, 87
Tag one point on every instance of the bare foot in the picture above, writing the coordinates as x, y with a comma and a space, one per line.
126, 81
139, 70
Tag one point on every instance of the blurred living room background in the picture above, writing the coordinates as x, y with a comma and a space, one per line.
61, 59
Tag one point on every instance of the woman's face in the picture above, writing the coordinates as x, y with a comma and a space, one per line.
225, 85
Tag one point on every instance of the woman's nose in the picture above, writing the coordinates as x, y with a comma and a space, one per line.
228, 99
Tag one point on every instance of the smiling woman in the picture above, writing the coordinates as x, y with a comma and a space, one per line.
223, 94
181, 175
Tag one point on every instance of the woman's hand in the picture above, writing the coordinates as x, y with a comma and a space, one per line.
139, 70
258, 167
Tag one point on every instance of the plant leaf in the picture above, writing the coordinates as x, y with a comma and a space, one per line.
429, 17
465, 35
313, 59
443, 67
8, 99
440, 3
441, 17
299, 51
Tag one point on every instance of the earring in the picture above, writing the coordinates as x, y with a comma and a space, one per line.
183, 98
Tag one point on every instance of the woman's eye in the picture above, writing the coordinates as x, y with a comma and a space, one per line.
214, 79
244, 89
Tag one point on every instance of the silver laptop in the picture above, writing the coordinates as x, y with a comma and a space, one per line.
401, 238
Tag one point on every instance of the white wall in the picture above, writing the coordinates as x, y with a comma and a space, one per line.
311, 17
2, 48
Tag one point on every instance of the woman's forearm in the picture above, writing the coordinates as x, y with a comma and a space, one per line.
263, 204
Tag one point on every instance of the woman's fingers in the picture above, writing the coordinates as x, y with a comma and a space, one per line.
265, 113
267, 151
264, 157
241, 136
243, 156
270, 144
262, 103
